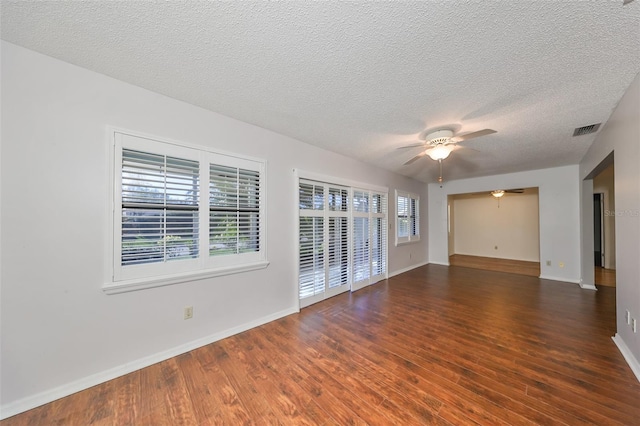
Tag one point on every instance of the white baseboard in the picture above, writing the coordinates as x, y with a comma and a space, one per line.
45, 397
566, 280
407, 269
440, 263
588, 286
628, 356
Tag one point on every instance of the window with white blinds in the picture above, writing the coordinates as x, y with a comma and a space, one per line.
311, 274
338, 243
407, 217
361, 238
379, 235
159, 208
234, 210
181, 212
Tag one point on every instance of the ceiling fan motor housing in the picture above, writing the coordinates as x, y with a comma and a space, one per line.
439, 137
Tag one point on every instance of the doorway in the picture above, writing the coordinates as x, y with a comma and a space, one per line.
598, 230
495, 230
604, 220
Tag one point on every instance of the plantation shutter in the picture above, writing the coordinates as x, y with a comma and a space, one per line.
159, 208
403, 216
234, 210
413, 217
311, 274
379, 235
361, 255
342, 239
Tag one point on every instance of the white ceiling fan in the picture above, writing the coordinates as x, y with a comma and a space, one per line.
439, 144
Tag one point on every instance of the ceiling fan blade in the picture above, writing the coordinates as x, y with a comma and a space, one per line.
473, 135
417, 157
413, 145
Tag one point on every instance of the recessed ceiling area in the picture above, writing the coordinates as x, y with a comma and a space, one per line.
363, 78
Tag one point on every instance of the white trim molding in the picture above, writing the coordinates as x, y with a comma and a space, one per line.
588, 286
407, 269
45, 397
566, 280
628, 356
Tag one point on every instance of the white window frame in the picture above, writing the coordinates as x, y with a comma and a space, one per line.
136, 277
410, 237
352, 186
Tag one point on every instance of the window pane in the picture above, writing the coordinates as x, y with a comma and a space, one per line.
361, 201
181, 237
248, 232
151, 232
234, 206
182, 181
403, 206
223, 186
223, 233
378, 244
142, 231
360, 249
311, 256
338, 251
338, 199
376, 203
311, 196
142, 177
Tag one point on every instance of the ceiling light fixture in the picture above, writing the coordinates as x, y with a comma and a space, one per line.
439, 152
497, 193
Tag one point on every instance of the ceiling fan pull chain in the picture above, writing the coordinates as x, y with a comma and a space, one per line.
440, 177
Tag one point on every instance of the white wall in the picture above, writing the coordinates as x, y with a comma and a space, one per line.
604, 184
60, 331
558, 197
505, 228
620, 135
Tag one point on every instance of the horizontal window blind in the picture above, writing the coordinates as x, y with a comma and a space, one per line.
379, 234
361, 270
343, 238
311, 196
181, 211
159, 208
338, 249
311, 257
403, 216
234, 210
407, 217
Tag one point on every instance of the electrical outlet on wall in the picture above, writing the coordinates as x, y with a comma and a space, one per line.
548, 263
188, 312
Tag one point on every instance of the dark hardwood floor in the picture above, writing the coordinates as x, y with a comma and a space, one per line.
605, 277
437, 345
519, 267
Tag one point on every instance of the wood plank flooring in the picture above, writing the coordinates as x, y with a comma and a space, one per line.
605, 277
437, 345
519, 267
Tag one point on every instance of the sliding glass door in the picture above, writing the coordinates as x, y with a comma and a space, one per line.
323, 241
342, 236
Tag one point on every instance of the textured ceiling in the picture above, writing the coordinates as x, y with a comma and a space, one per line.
362, 78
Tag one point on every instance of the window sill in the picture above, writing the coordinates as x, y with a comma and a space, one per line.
412, 241
144, 283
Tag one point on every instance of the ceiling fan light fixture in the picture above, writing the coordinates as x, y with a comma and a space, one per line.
497, 193
440, 152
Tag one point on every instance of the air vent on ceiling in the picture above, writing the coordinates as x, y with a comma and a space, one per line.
585, 130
